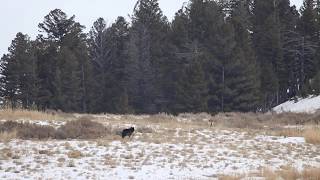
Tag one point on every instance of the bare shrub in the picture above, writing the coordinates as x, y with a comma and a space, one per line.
27, 130
79, 129
9, 126
32, 131
82, 129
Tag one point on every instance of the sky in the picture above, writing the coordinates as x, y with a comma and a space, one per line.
25, 15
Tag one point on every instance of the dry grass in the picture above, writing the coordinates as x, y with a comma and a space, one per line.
26, 130
82, 129
313, 173
75, 154
91, 126
287, 173
10, 114
8, 136
230, 177
287, 132
312, 135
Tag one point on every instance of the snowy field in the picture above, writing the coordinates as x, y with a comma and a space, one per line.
163, 151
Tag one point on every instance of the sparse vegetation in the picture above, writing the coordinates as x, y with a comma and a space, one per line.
16, 114
78, 129
288, 173
312, 135
83, 128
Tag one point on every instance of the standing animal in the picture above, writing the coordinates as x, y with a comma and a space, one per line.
127, 132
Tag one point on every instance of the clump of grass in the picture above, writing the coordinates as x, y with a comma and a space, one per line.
312, 135
6, 153
74, 154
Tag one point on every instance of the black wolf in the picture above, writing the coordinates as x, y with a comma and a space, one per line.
127, 132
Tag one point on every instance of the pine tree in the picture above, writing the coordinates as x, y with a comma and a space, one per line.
19, 73
268, 48
246, 81
146, 50
9, 81
308, 27
70, 58
192, 89
117, 36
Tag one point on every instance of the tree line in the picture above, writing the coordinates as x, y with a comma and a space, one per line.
214, 56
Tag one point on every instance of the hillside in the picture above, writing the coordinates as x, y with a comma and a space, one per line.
304, 105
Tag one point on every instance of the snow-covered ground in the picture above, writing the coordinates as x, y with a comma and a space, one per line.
176, 153
306, 105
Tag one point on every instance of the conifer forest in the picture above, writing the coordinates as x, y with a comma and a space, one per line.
213, 56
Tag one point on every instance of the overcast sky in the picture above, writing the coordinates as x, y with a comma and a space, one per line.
25, 15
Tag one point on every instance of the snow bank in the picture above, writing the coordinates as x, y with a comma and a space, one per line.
308, 105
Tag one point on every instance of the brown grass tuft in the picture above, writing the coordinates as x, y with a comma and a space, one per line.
312, 135
75, 154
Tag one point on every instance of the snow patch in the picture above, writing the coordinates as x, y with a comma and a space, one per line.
307, 105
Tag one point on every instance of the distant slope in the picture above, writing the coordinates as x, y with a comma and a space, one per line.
307, 105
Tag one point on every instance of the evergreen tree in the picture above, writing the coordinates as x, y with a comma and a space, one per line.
268, 48
147, 49
69, 60
246, 81
99, 54
117, 37
308, 27
192, 89
19, 73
